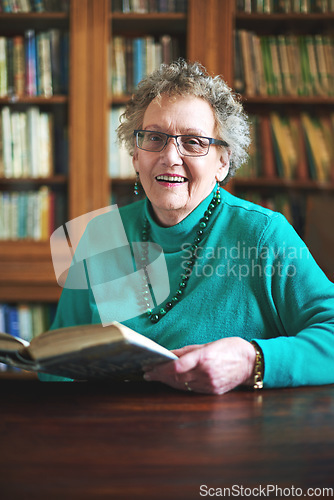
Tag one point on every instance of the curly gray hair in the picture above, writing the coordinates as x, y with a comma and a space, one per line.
182, 78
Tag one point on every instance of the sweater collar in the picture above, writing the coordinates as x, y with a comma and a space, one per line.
172, 238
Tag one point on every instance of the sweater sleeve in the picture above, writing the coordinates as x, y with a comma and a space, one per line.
301, 298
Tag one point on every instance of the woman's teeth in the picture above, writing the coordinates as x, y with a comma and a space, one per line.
169, 178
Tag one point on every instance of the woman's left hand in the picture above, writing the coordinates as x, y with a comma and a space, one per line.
213, 368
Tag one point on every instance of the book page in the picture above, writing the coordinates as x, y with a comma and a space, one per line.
8, 343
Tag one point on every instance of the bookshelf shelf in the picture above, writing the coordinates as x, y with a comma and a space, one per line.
25, 181
119, 100
279, 184
289, 100
153, 22
12, 23
26, 272
37, 100
120, 180
31, 16
27, 249
275, 17
293, 22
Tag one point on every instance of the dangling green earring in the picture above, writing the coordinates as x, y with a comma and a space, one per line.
136, 185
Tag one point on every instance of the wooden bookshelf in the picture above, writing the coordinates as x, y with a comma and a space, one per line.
274, 24
206, 30
25, 266
26, 271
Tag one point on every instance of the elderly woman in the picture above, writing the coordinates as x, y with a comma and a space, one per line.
248, 305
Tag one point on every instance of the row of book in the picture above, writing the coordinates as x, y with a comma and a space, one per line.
36, 64
131, 59
31, 214
26, 143
18, 6
291, 147
284, 65
147, 6
25, 321
119, 161
285, 6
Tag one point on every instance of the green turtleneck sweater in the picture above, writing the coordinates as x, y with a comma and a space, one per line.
253, 278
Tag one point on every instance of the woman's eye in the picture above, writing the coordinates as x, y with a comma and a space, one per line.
192, 141
155, 138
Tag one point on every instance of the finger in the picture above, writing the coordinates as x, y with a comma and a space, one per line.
184, 350
160, 372
173, 369
187, 361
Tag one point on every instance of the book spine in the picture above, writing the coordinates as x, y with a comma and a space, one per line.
7, 141
16, 145
10, 66
297, 132
18, 66
2, 165
55, 37
31, 69
64, 62
44, 65
12, 322
38, 5
239, 77
45, 144
3, 68
33, 141
138, 66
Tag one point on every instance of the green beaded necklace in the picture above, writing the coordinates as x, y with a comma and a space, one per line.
203, 223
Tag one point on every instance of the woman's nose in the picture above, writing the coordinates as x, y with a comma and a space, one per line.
171, 149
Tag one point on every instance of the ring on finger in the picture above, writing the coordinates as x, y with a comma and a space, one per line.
188, 386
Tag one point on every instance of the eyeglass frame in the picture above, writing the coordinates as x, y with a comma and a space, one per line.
217, 142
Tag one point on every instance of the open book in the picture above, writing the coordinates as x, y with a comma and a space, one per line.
85, 352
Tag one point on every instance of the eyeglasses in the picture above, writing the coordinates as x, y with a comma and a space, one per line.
187, 145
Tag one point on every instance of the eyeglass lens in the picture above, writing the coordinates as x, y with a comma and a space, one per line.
187, 145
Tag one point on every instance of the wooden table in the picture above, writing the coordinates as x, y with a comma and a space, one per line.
147, 441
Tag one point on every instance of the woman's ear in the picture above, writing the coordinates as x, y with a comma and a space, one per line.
135, 160
224, 165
